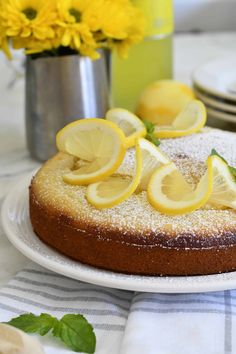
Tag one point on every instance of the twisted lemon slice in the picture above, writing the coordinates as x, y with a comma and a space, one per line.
116, 188
189, 121
169, 193
152, 158
224, 184
99, 145
129, 123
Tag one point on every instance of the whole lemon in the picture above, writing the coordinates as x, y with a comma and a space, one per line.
163, 100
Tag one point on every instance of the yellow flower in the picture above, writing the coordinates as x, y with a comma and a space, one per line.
135, 33
3, 37
4, 44
33, 46
25, 18
70, 11
116, 24
75, 33
81, 25
89, 51
112, 18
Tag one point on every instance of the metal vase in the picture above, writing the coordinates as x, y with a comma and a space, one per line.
60, 90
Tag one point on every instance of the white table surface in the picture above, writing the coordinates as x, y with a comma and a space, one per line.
190, 51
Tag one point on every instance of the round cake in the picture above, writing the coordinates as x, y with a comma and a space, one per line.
133, 237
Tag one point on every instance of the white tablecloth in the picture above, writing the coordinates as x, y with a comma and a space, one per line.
126, 322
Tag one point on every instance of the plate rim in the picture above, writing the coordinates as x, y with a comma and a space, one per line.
217, 105
221, 115
208, 89
154, 284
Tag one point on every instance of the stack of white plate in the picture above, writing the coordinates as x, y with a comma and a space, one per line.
215, 85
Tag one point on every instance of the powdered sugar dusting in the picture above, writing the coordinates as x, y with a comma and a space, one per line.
199, 146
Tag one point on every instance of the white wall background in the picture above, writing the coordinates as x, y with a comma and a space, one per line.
205, 15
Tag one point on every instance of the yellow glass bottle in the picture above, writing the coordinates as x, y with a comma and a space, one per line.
149, 60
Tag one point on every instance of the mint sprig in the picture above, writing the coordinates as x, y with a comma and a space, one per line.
76, 333
30, 323
231, 168
150, 133
73, 330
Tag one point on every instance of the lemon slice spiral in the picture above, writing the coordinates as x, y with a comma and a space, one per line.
189, 121
98, 144
129, 123
117, 188
169, 193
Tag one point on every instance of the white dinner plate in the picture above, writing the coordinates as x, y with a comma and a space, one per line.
221, 115
214, 103
16, 223
218, 77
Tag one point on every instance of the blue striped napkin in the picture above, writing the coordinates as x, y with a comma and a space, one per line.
126, 322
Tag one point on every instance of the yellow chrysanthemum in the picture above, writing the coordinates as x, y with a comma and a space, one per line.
75, 33
25, 18
112, 18
116, 24
4, 45
135, 34
89, 51
70, 11
3, 37
33, 46
82, 26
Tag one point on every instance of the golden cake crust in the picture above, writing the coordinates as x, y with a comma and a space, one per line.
133, 237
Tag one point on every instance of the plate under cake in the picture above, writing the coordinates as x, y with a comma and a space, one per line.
133, 237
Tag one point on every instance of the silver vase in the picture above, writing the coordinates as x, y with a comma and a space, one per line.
60, 90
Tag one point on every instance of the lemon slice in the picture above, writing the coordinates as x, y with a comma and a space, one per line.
129, 123
169, 193
115, 189
224, 184
189, 121
152, 158
99, 145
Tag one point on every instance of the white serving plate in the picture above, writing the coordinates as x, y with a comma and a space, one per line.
214, 113
218, 77
17, 226
214, 103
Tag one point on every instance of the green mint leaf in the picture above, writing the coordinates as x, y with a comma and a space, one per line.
73, 330
30, 323
76, 333
153, 139
149, 126
231, 168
